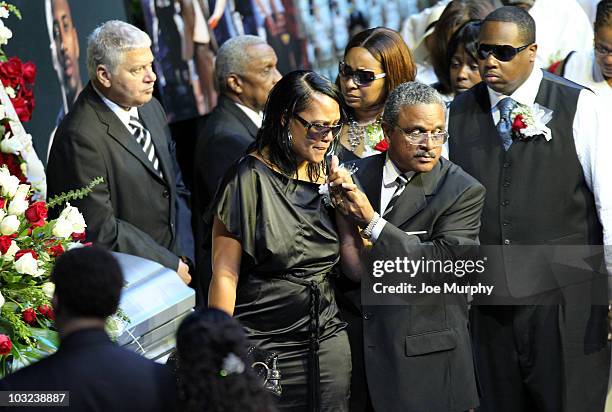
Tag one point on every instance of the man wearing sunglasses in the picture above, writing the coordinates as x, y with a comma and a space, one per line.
533, 354
414, 204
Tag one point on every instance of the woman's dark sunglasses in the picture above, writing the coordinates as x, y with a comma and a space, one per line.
361, 77
503, 53
316, 131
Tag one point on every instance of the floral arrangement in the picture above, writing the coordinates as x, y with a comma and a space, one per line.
529, 122
29, 245
16, 105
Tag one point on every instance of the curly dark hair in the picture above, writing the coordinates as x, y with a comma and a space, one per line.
292, 94
203, 340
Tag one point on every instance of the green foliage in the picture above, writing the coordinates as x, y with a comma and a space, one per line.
74, 194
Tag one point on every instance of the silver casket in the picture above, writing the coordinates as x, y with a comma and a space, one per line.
155, 300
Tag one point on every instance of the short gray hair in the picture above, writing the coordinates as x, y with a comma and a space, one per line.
233, 58
409, 94
108, 42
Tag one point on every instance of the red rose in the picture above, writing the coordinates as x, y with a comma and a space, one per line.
518, 123
5, 243
29, 72
36, 213
78, 237
11, 70
2, 202
22, 252
21, 107
56, 250
29, 316
5, 345
382, 146
46, 311
13, 165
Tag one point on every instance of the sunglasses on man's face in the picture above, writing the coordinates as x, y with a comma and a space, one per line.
361, 77
317, 131
503, 53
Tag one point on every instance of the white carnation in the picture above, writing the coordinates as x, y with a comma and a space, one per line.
48, 288
62, 228
9, 225
27, 265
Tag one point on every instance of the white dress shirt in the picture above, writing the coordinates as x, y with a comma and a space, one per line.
582, 68
122, 114
256, 117
593, 145
389, 184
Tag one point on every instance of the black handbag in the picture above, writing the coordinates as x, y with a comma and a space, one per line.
265, 365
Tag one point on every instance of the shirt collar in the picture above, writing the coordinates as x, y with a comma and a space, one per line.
525, 94
122, 114
391, 172
256, 117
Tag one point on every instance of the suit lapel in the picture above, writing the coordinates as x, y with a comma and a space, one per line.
370, 178
118, 131
231, 107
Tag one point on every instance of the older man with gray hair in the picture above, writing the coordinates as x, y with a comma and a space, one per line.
245, 72
118, 131
415, 205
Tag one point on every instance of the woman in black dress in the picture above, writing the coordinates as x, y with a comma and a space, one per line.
275, 244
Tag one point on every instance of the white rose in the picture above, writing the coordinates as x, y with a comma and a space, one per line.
4, 13
9, 225
27, 265
18, 207
48, 288
5, 34
2, 214
12, 250
75, 218
62, 228
9, 185
11, 145
1, 300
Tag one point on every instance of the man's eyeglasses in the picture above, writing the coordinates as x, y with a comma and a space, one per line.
421, 138
503, 53
361, 77
316, 131
603, 51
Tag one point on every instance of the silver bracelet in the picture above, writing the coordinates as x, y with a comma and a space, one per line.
367, 232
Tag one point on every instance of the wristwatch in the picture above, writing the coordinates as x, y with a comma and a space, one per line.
367, 232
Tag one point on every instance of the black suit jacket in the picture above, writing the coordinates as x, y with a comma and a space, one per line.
135, 210
99, 375
418, 357
223, 139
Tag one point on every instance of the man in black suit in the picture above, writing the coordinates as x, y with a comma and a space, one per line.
118, 131
547, 187
98, 374
245, 72
414, 204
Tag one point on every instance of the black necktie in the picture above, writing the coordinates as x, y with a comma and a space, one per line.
401, 184
143, 138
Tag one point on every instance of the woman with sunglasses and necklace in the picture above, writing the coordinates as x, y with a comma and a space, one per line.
275, 244
375, 62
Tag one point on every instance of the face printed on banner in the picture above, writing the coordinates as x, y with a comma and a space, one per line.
415, 141
67, 45
131, 85
360, 79
314, 129
504, 59
260, 76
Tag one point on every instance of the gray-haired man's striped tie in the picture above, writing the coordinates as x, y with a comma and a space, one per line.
401, 185
143, 138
